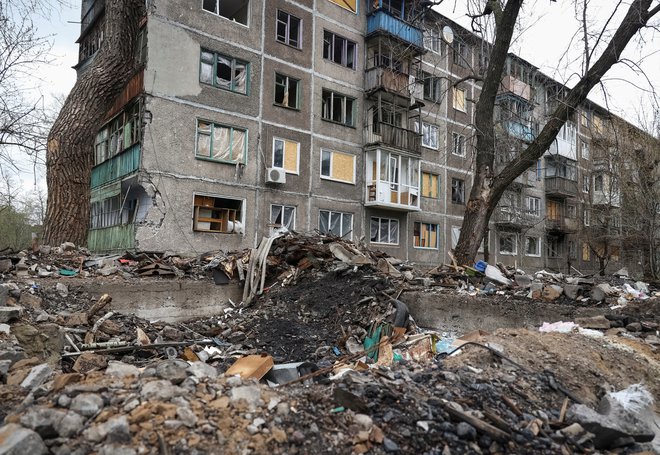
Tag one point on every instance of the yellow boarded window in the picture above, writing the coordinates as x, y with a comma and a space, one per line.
459, 99
350, 5
286, 155
425, 235
338, 166
429, 185
585, 251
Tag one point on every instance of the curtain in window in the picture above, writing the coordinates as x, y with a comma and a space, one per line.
206, 69
238, 146
221, 143
240, 77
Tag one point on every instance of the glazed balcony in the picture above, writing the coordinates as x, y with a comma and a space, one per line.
381, 22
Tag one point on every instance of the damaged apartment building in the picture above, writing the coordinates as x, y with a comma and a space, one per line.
340, 116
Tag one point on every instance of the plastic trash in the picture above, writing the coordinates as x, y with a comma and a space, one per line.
481, 266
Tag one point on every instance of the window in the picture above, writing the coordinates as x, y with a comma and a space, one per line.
554, 247
119, 133
597, 124
337, 108
336, 223
283, 216
432, 87
585, 183
586, 254
532, 246
287, 91
461, 54
338, 166
350, 5
429, 136
425, 235
141, 52
539, 170
533, 205
457, 191
224, 72
598, 182
105, 213
234, 10
221, 143
584, 118
216, 214
432, 40
286, 155
585, 150
384, 230
508, 243
571, 211
429, 185
289, 30
339, 50
459, 144
459, 98
572, 249
586, 217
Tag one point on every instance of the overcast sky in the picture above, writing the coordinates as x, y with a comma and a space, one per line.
548, 32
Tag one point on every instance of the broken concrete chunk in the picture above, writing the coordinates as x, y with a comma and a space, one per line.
87, 404
387, 268
573, 291
348, 257
16, 440
251, 394
535, 290
5, 265
36, 376
10, 313
160, 390
31, 300
121, 369
172, 370
88, 361
67, 246
552, 292
62, 289
51, 423
202, 370
596, 322
115, 429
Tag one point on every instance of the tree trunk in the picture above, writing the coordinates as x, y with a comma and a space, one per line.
69, 158
486, 189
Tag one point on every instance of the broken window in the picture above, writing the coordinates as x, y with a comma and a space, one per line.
571, 211
598, 182
216, 214
336, 223
339, 49
459, 144
432, 87
287, 91
337, 108
432, 40
289, 30
429, 185
105, 213
282, 216
338, 166
457, 191
554, 247
459, 99
384, 230
586, 254
221, 143
120, 133
585, 150
224, 72
585, 183
234, 10
572, 249
285, 155
425, 235
508, 243
91, 42
350, 5
532, 246
141, 53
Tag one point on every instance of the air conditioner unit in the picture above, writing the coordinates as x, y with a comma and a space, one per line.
275, 175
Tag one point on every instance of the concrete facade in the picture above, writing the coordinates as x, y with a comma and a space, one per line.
209, 141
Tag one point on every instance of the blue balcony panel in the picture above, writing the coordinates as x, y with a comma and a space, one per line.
382, 22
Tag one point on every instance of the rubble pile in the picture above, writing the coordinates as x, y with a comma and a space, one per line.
320, 356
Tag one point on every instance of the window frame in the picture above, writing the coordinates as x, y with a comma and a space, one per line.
272, 223
348, 235
287, 27
344, 99
586, 217
431, 128
344, 51
533, 211
288, 84
210, 134
437, 185
461, 140
390, 223
538, 246
214, 73
434, 85
329, 177
462, 184
233, 21
599, 183
284, 142
454, 97
503, 235
586, 184
461, 54
437, 236
195, 216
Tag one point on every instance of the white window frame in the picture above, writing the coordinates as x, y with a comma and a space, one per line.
233, 21
344, 51
326, 177
437, 235
458, 139
584, 150
287, 27
533, 205
598, 177
284, 141
343, 99
451, 194
346, 235
390, 223
538, 246
430, 131
586, 217
586, 183
515, 243
292, 220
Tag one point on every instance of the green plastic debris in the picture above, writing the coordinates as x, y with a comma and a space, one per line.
397, 357
65, 272
338, 409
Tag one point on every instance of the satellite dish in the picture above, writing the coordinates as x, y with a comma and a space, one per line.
448, 34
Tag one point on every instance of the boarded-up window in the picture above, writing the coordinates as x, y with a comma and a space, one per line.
286, 155
350, 5
429, 185
586, 254
459, 99
221, 143
338, 166
425, 235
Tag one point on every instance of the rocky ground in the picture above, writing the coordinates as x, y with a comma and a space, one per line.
142, 387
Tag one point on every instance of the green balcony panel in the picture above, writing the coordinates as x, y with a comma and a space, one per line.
117, 167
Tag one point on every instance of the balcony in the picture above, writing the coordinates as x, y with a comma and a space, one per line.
607, 198
393, 82
112, 239
559, 225
520, 131
514, 218
392, 180
392, 196
393, 136
560, 187
381, 22
117, 167
517, 87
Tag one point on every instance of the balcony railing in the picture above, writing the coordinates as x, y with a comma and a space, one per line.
393, 82
116, 167
394, 136
113, 238
391, 195
560, 186
381, 21
559, 224
515, 217
517, 87
520, 131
